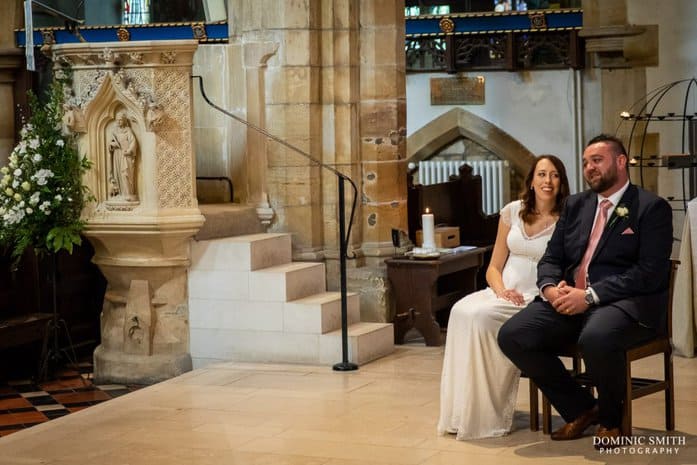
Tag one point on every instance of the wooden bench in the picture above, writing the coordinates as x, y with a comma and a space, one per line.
23, 329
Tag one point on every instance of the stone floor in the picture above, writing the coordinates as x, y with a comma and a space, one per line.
384, 413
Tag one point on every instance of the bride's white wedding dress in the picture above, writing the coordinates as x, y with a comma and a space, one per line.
479, 385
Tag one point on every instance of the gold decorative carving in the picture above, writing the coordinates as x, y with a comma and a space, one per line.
123, 34
538, 21
48, 37
199, 31
447, 25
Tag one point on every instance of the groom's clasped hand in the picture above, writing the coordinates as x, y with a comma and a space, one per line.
566, 300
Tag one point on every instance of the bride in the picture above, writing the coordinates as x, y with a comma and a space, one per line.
479, 384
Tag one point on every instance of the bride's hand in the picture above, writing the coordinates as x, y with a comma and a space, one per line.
512, 296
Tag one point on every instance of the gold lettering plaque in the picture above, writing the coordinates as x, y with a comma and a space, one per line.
457, 90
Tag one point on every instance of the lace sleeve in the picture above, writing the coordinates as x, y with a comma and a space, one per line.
507, 213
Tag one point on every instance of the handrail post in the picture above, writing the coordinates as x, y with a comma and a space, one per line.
345, 365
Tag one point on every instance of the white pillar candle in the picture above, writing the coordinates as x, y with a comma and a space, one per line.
428, 230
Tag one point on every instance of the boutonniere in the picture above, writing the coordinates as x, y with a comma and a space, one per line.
621, 211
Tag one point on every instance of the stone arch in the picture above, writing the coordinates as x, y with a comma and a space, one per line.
457, 123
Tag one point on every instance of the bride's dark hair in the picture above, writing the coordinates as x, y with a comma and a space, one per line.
527, 195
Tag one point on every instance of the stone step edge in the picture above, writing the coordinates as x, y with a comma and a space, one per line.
320, 298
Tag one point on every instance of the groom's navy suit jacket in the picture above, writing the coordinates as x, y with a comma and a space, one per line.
630, 268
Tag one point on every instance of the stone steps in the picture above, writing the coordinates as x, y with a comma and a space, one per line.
242, 253
319, 313
249, 302
287, 282
366, 341
227, 219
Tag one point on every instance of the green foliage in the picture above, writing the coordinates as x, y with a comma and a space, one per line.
41, 189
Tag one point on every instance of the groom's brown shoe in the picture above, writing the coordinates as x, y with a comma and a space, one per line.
574, 429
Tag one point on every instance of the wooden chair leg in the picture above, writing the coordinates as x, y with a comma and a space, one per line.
534, 407
670, 392
546, 415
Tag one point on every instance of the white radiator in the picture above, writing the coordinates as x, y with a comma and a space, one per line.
495, 178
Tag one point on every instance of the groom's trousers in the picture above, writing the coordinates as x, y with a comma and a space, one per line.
532, 338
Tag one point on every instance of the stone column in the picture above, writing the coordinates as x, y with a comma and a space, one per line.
382, 125
339, 97
382, 146
256, 55
281, 43
131, 109
335, 88
293, 113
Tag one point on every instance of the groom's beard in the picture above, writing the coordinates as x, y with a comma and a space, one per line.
603, 182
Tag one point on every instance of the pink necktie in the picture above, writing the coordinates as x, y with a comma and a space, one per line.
598, 227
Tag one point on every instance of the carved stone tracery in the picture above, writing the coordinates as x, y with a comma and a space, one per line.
86, 86
159, 104
173, 163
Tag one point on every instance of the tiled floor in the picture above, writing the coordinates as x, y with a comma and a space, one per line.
25, 403
384, 413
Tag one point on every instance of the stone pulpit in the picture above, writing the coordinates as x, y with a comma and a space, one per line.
130, 105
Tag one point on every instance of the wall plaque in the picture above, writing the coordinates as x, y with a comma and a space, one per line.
457, 90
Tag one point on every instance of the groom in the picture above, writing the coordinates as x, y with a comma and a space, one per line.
604, 285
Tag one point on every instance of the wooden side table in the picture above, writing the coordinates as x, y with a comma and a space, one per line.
423, 287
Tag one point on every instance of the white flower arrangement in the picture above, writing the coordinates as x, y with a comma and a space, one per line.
41, 189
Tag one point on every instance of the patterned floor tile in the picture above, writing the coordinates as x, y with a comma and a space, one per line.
24, 403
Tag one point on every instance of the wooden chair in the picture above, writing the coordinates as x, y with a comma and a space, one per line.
575, 370
636, 387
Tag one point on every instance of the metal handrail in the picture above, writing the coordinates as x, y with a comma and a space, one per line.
344, 234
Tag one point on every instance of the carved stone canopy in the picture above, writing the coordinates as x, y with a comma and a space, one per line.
78, 104
122, 64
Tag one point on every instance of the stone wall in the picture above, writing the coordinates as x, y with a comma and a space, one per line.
327, 76
537, 108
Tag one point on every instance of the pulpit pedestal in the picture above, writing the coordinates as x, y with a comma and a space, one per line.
130, 107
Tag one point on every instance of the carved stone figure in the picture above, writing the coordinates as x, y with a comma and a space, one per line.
123, 152
73, 118
153, 116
